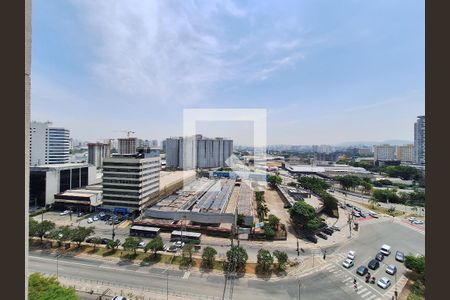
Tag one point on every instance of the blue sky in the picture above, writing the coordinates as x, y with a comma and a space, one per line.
326, 71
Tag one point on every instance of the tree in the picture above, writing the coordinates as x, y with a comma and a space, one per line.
96, 240
313, 183
282, 259
264, 261
186, 254
41, 288
113, 245
43, 227
79, 234
293, 184
208, 257
416, 264
155, 245
131, 243
32, 227
269, 231
274, 221
373, 201
61, 234
236, 259
366, 187
240, 219
274, 180
261, 211
302, 213
386, 195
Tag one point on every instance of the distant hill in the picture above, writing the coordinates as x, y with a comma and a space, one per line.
371, 143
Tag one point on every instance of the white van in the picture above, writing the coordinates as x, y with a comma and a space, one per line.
385, 249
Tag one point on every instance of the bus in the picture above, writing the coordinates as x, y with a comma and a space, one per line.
144, 231
185, 236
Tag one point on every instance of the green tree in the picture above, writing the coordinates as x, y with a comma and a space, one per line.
269, 231
61, 234
32, 227
236, 259
46, 288
113, 244
261, 211
274, 221
96, 240
416, 264
386, 195
264, 261
79, 234
373, 201
155, 245
274, 180
302, 213
240, 219
366, 187
282, 259
43, 227
186, 254
208, 257
131, 243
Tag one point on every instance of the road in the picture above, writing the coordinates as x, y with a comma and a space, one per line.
329, 283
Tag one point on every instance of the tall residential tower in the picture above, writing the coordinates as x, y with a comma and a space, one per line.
48, 145
419, 140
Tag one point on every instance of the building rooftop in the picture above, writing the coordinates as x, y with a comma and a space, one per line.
59, 166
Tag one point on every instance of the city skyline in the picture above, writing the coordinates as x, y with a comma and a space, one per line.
326, 73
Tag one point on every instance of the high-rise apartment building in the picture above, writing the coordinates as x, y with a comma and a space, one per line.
419, 140
131, 180
384, 152
48, 145
97, 152
197, 152
128, 145
405, 153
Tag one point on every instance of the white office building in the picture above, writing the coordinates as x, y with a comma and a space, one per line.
130, 181
97, 152
384, 152
405, 153
419, 140
197, 152
48, 145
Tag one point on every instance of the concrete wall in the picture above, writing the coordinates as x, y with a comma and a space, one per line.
51, 186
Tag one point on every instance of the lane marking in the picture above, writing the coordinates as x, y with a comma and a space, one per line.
366, 294
362, 290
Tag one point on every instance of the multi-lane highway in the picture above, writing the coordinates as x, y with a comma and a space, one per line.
331, 281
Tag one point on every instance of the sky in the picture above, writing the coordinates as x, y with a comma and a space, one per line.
326, 71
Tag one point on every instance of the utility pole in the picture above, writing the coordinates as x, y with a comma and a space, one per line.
299, 285
350, 224
113, 222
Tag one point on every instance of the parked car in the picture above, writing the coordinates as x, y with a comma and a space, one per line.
374, 215
80, 214
411, 219
362, 270
105, 241
172, 248
391, 269
348, 205
363, 215
384, 283
95, 218
141, 245
356, 214
312, 238
385, 249
379, 256
90, 220
348, 263
351, 255
400, 256
321, 235
335, 228
417, 222
374, 264
119, 298
66, 212
178, 244
327, 231
357, 209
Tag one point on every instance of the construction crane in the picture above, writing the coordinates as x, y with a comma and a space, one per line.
129, 132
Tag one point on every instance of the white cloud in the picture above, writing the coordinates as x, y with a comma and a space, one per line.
178, 51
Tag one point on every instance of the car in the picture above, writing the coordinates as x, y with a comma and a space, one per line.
66, 212
80, 214
335, 228
417, 222
362, 270
105, 241
172, 248
385, 249
351, 255
348, 205
363, 215
348, 263
178, 244
356, 214
391, 269
119, 298
89, 220
357, 209
384, 283
90, 240
312, 238
373, 215
374, 264
411, 219
321, 235
399, 256
379, 256
327, 231
95, 218
141, 245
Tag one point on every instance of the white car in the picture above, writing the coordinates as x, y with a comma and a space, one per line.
348, 263
391, 269
66, 212
179, 244
384, 283
417, 222
141, 245
95, 218
351, 255
411, 219
90, 220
